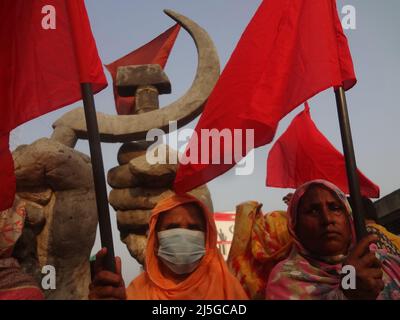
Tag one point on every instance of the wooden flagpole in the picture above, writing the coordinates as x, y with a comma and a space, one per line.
351, 166
98, 175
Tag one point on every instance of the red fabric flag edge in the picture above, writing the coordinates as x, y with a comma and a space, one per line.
277, 164
152, 52
7, 176
89, 62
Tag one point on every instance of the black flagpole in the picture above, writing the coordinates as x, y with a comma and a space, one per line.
98, 175
351, 166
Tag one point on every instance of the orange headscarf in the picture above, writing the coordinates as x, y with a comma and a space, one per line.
210, 281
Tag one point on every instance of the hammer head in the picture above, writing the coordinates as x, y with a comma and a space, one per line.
130, 78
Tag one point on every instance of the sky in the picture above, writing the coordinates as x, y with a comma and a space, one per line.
123, 25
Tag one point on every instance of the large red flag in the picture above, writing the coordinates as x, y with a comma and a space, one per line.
155, 52
290, 51
7, 177
303, 153
47, 51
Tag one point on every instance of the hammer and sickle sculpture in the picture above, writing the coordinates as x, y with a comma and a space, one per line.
114, 128
55, 180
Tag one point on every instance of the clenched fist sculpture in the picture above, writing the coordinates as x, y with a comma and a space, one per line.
56, 184
137, 187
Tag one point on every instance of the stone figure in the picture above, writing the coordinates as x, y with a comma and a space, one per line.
55, 180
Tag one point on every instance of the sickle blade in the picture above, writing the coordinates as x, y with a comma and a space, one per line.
116, 128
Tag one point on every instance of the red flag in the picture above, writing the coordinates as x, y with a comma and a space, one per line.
155, 52
303, 153
7, 177
290, 51
41, 68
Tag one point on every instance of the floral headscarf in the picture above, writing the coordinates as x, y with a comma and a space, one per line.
304, 276
11, 226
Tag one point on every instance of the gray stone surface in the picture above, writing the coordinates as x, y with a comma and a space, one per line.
67, 240
65, 135
35, 216
152, 182
146, 99
139, 172
56, 183
131, 150
115, 128
130, 78
136, 198
47, 163
121, 177
133, 220
136, 245
39, 195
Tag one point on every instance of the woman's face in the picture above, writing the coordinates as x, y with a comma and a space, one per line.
185, 216
322, 225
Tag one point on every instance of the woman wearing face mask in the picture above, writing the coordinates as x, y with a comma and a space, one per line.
182, 259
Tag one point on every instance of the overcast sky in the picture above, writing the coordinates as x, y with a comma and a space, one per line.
123, 25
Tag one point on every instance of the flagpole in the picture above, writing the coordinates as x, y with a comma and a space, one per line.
98, 175
351, 166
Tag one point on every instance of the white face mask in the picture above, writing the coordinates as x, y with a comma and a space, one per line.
181, 249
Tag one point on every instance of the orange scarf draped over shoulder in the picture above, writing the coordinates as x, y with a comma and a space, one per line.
210, 281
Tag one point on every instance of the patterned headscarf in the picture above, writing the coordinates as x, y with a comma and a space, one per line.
306, 276
11, 226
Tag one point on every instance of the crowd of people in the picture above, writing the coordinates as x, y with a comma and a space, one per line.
304, 248
182, 260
